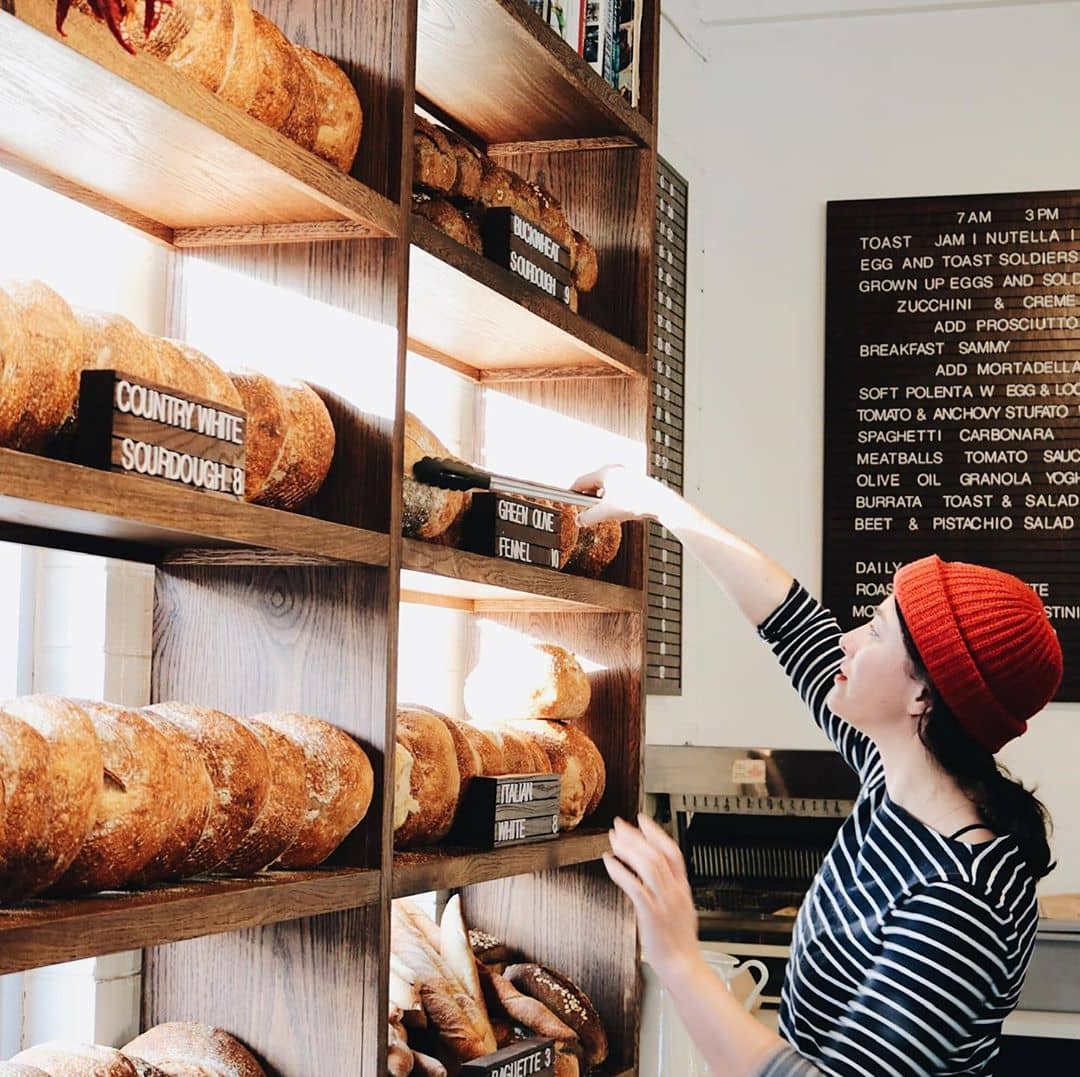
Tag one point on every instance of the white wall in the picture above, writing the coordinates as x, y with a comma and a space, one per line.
783, 117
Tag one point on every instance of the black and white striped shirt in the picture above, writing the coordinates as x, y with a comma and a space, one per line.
910, 948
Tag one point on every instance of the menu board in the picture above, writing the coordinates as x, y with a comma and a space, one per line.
952, 396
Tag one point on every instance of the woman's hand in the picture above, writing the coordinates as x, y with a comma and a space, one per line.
649, 868
625, 495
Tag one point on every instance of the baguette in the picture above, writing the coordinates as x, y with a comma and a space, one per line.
457, 953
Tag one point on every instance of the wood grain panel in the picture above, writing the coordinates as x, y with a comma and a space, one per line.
45, 931
302, 994
497, 69
578, 922
76, 106
247, 639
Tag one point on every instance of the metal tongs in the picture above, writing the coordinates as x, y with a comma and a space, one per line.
457, 475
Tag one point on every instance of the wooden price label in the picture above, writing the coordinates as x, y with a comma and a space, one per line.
515, 530
513, 809
529, 1058
528, 252
133, 425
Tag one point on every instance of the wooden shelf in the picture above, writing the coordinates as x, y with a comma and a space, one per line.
442, 575
129, 136
496, 67
52, 503
486, 322
447, 867
48, 931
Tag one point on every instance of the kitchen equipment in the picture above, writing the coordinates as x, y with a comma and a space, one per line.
457, 475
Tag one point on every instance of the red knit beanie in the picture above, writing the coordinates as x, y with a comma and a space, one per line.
986, 641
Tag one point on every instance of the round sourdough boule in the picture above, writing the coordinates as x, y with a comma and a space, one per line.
306, 452
341, 117
279, 823
577, 786
73, 777
261, 397
26, 803
469, 763
428, 511
434, 779
592, 764
174, 370
196, 798
139, 804
51, 354
279, 71
217, 385
203, 54
517, 752
519, 680
242, 68
145, 1069
338, 782
17, 370
597, 546
113, 342
567, 1001
487, 748
239, 770
60, 1058
188, 1043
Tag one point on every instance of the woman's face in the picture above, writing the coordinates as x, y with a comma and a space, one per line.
874, 688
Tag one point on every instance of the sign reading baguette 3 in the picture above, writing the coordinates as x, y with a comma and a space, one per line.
515, 809
528, 251
528, 1058
131, 424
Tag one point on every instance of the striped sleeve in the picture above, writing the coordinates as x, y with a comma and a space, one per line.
925, 997
787, 1063
806, 638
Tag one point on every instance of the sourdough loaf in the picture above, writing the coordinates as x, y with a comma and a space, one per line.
307, 449
73, 777
434, 782
263, 400
586, 263
469, 763
239, 770
20, 1069
112, 342
340, 116
216, 385
280, 822
138, 807
338, 783
27, 806
434, 166
597, 546
180, 1043
487, 747
279, 74
541, 680
565, 759
301, 125
60, 1058
428, 511
240, 82
458, 224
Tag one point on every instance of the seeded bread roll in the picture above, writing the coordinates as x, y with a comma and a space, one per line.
72, 780
457, 224
177, 1044
597, 546
280, 821
306, 451
239, 770
42, 370
541, 680
340, 116
429, 511
338, 781
60, 1058
568, 1002
434, 782
191, 781
139, 805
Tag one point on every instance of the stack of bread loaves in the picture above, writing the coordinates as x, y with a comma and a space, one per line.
45, 345
437, 756
246, 60
176, 1049
455, 184
103, 797
450, 1003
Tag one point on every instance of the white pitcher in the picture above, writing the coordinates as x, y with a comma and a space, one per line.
666, 1047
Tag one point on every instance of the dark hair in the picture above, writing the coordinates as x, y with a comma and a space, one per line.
1004, 805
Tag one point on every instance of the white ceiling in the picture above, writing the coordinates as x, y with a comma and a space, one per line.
719, 13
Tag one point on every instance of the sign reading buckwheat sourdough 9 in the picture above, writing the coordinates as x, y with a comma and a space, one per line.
133, 425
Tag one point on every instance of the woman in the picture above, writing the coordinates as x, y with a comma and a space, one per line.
912, 943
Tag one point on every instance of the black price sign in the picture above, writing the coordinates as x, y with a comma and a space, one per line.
528, 1058
952, 396
514, 529
528, 252
513, 809
133, 425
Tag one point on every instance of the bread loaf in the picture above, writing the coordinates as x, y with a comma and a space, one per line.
239, 770
60, 1058
241, 80
112, 342
541, 680
340, 115
73, 777
264, 401
517, 753
457, 224
578, 782
338, 781
466, 183
193, 1044
469, 763
523, 1009
20, 1069
279, 823
49, 353
426, 1066
145, 1069
496, 185
586, 263
138, 807
434, 780
280, 72
195, 791
17, 370
434, 166
203, 52
428, 511
592, 763
568, 1002
597, 546
399, 1059
301, 125
306, 451
488, 749
216, 385
26, 803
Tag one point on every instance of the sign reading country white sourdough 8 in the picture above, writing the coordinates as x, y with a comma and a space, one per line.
130, 424
952, 396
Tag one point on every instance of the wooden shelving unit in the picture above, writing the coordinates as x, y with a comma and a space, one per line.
257, 609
